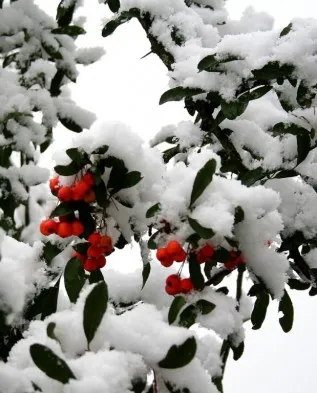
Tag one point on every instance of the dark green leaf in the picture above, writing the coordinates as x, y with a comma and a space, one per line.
74, 278
81, 248
72, 31
202, 180
252, 176
204, 306
188, 316
303, 146
78, 157
52, 365
221, 255
101, 194
145, 273
256, 93
9, 59
70, 124
67, 170
153, 210
179, 93
237, 351
259, 310
170, 153
62, 209
179, 355
233, 109
114, 5
101, 150
130, 179
95, 277
110, 27
50, 330
209, 62
151, 242
238, 214
56, 83
64, 14
50, 251
232, 242
285, 173
297, 284
195, 272
286, 30
51, 51
175, 308
274, 70
305, 95
223, 290
255, 290
208, 268
204, 233
138, 385
94, 309
286, 306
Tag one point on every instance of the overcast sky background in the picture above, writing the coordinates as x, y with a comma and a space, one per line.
123, 87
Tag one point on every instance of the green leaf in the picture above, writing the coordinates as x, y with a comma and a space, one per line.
81, 248
297, 284
62, 209
9, 59
50, 251
285, 173
175, 308
252, 176
95, 277
170, 153
188, 316
131, 179
70, 124
153, 210
205, 307
52, 365
204, 233
195, 272
202, 180
78, 157
179, 355
233, 109
138, 385
101, 194
94, 309
145, 273
303, 146
221, 255
286, 30
114, 5
111, 26
274, 70
259, 310
72, 31
56, 83
50, 330
208, 268
64, 14
256, 93
238, 214
74, 278
67, 170
305, 95
237, 351
209, 62
151, 242
286, 306
179, 93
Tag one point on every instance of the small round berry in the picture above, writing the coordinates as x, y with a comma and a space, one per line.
94, 251
173, 284
78, 228
186, 285
80, 189
79, 256
205, 254
90, 265
65, 194
90, 196
89, 179
101, 261
94, 239
64, 229
163, 256
174, 248
180, 257
54, 183
106, 243
48, 227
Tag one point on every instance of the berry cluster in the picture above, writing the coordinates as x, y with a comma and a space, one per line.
174, 252
65, 226
94, 258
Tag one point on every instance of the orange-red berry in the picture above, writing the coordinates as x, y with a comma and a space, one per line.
89, 179
234, 261
90, 196
106, 243
205, 254
164, 257
65, 194
173, 284
80, 189
94, 239
174, 248
54, 183
180, 257
101, 261
94, 251
90, 265
186, 285
47, 227
64, 229
79, 256
78, 228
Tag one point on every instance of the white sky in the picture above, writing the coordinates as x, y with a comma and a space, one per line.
123, 87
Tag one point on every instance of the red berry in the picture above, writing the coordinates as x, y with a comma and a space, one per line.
101, 261
163, 256
186, 285
180, 257
79, 256
235, 260
80, 189
173, 284
90, 196
65, 194
78, 228
94, 239
54, 183
47, 227
174, 248
89, 179
90, 265
205, 254
106, 243
64, 229
94, 251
